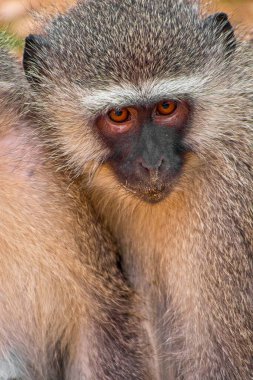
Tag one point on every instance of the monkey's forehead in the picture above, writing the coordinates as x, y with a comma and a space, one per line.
128, 40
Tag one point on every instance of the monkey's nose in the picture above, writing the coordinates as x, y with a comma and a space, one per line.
151, 171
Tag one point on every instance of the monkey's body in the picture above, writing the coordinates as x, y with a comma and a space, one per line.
199, 304
66, 310
164, 97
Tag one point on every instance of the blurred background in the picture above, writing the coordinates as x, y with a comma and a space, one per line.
16, 19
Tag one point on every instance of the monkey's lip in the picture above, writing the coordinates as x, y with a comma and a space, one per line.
150, 194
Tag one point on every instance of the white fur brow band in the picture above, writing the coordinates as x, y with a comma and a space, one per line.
148, 92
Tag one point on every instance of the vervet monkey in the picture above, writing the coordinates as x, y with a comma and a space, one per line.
66, 311
157, 98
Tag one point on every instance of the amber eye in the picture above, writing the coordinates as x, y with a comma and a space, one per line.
166, 107
119, 115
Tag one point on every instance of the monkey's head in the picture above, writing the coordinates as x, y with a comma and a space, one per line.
138, 86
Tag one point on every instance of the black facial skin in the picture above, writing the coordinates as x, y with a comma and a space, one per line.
148, 160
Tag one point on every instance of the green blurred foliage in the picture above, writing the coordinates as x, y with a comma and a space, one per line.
11, 42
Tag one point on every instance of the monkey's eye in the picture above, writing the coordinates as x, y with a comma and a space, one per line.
166, 107
118, 121
119, 115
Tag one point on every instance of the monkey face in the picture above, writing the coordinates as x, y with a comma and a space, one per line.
101, 89
146, 146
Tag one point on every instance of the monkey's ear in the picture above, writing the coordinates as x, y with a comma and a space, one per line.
32, 59
220, 24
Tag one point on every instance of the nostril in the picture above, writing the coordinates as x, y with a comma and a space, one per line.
144, 167
161, 164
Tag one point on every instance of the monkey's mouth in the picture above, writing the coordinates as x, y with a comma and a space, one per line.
150, 194
152, 188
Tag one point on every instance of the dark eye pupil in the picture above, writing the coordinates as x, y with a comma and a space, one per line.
165, 105
118, 112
